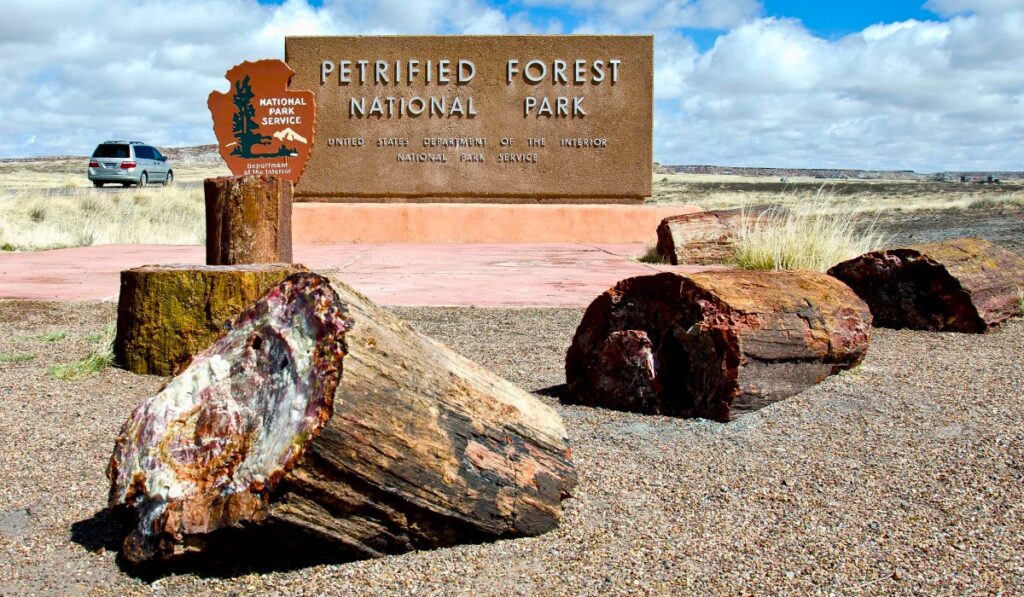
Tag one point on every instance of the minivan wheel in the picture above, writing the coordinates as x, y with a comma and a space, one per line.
169, 180
143, 180
98, 185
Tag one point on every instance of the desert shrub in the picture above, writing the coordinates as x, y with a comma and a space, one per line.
1008, 200
814, 235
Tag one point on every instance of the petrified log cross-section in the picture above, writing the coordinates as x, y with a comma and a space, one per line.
421, 447
248, 220
714, 344
960, 285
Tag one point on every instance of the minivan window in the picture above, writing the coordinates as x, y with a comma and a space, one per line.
143, 153
111, 150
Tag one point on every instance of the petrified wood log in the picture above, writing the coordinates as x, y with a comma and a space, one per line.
960, 285
248, 220
713, 344
708, 237
167, 313
421, 447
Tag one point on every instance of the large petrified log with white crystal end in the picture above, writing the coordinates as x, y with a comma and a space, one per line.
713, 344
959, 285
420, 447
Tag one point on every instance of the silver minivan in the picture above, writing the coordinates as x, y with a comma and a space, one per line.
128, 163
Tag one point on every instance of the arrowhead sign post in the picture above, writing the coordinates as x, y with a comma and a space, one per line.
262, 126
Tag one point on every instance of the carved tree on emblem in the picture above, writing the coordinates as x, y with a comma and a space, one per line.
244, 126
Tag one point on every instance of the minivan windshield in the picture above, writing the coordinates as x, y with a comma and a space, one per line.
111, 150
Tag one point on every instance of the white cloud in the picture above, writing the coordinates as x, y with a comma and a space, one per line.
659, 14
922, 95
940, 94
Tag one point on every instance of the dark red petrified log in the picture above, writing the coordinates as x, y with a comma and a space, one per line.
248, 220
422, 447
714, 344
961, 285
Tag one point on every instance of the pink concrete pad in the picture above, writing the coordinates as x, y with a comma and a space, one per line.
479, 223
483, 275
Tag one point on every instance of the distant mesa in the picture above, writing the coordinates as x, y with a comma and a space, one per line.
290, 135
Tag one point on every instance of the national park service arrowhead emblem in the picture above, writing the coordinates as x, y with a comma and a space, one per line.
262, 126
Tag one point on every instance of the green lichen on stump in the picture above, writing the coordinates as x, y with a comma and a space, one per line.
167, 313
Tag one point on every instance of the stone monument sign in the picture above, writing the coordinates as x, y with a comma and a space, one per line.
501, 119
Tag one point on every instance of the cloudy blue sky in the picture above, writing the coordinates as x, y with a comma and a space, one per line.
894, 84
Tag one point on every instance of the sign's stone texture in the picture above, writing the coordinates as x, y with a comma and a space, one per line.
262, 126
525, 119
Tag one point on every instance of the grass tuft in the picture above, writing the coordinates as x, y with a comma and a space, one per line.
813, 236
652, 256
98, 359
15, 357
47, 337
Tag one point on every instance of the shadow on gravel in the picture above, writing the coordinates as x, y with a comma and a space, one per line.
227, 553
555, 391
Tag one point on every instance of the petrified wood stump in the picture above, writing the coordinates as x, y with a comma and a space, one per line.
248, 220
714, 344
421, 448
707, 237
167, 313
961, 285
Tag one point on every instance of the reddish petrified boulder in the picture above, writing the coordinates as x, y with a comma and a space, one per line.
708, 237
960, 285
713, 344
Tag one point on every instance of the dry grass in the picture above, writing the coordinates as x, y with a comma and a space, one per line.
814, 235
851, 196
46, 204
50, 204
33, 220
70, 173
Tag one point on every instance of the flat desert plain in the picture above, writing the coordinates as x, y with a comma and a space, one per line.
902, 476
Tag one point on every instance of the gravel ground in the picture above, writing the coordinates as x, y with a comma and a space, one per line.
1001, 225
903, 476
